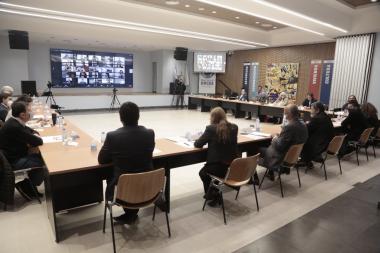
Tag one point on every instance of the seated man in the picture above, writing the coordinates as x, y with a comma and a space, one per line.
23, 98
353, 126
19, 144
295, 132
5, 103
309, 100
243, 95
351, 100
130, 149
320, 130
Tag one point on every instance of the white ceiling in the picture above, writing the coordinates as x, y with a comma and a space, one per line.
146, 27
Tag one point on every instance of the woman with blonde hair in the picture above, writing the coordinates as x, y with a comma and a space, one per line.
221, 137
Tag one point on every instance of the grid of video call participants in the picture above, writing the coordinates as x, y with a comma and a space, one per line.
95, 71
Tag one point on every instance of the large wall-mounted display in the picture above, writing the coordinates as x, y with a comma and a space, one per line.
210, 62
88, 69
282, 77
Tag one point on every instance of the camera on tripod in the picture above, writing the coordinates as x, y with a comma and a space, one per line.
114, 90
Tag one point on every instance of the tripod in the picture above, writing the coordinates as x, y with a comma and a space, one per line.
114, 99
50, 97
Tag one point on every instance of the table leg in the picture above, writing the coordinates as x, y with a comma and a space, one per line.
167, 188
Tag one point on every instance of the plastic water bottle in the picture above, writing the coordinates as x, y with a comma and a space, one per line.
102, 137
64, 135
257, 125
93, 146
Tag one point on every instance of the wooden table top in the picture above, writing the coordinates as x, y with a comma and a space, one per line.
60, 158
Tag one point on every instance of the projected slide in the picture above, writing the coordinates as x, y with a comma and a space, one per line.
209, 62
85, 69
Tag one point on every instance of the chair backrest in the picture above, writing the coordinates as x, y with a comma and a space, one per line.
140, 187
365, 135
242, 169
335, 144
293, 154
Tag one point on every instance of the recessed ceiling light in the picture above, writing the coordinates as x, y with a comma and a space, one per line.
257, 22
373, 1
187, 6
213, 12
201, 9
120, 24
237, 17
297, 14
274, 27
170, 2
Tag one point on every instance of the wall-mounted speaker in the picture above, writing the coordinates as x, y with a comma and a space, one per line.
18, 39
180, 53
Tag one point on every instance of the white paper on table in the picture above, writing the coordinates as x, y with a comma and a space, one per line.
52, 139
260, 134
72, 143
39, 129
182, 141
156, 151
38, 116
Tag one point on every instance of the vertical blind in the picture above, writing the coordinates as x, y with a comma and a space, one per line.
353, 59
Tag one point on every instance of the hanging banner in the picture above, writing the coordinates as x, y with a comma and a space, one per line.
315, 78
254, 80
207, 83
327, 73
246, 74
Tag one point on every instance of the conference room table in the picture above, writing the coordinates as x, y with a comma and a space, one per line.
241, 107
73, 177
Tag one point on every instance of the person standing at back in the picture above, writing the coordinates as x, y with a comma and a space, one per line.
221, 137
130, 150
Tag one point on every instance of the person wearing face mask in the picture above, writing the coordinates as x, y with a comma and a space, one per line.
321, 131
19, 144
6, 101
295, 132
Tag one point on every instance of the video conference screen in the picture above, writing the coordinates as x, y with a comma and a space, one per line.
210, 62
87, 69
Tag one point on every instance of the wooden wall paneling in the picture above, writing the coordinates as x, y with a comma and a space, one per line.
302, 54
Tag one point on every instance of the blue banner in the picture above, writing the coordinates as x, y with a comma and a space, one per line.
327, 73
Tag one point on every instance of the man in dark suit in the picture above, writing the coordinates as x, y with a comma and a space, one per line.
295, 132
353, 126
243, 95
130, 150
19, 144
351, 100
320, 130
180, 92
309, 100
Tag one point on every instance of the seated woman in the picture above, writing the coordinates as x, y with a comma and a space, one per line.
282, 100
320, 131
221, 137
370, 112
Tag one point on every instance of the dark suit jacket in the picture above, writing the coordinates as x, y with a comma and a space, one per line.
308, 103
243, 97
293, 133
219, 152
354, 125
15, 140
373, 122
320, 131
3, 112
130, 150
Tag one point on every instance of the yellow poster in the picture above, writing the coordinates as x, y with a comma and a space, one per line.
282, 77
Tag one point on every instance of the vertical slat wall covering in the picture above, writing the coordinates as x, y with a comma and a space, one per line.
353, 59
